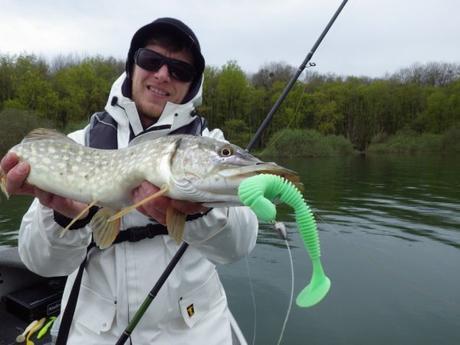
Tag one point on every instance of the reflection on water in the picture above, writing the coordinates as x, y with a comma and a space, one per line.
11, 212
408, 197
390, 234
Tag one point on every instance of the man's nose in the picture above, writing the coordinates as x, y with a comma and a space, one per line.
163, 73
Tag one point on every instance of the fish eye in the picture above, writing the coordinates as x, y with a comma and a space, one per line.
226, 151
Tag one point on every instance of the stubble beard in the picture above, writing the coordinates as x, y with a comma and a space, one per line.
148, 113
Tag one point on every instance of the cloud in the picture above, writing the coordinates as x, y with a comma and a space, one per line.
369, 37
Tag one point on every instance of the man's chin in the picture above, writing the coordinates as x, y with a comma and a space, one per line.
149, 118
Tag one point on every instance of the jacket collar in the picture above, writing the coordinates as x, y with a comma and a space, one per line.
124, 112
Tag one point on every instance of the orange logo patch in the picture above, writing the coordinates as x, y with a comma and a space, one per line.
190, 310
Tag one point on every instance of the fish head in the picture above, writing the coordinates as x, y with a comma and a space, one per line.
210, 171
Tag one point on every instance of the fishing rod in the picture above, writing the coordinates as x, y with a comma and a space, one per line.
293, 79
180, 252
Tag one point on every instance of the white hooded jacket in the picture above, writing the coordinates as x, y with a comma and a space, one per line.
117, 280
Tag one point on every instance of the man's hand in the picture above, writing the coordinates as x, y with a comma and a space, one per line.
16, 184
157, 207
16, 174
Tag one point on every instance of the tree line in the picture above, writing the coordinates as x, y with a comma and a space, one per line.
422, 98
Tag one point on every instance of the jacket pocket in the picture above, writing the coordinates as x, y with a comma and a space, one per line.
200, 301
94, 311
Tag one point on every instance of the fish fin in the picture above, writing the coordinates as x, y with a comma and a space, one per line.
131, 208
104, 232
3, 183
76, 218
46, 133
175, 222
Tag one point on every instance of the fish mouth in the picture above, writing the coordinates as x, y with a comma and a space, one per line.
263, 168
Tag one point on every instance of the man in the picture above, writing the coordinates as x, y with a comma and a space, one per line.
156, 96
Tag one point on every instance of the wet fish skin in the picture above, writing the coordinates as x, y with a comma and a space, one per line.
61, 166
193, 168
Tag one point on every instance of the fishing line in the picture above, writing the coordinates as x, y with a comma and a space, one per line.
293, 79
303, 299
253, 298
281, 229
278, 135
283, 234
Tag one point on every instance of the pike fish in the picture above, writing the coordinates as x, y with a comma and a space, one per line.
186, 167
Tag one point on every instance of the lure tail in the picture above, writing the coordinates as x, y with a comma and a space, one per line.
256, 192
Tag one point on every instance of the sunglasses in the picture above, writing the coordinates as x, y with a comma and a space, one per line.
152, 61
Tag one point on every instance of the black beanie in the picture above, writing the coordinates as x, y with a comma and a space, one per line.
142, 36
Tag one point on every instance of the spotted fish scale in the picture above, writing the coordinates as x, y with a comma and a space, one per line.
192, 168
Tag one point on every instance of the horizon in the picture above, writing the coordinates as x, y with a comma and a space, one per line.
78, 57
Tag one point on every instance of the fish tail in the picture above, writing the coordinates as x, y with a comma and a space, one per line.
3, 183
104, 231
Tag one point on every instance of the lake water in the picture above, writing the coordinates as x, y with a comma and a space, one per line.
390, 238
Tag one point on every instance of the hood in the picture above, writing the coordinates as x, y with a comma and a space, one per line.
123, 111
166, 25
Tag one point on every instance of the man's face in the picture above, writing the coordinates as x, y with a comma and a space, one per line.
151, 90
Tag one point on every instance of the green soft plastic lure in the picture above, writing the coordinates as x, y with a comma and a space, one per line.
257, 192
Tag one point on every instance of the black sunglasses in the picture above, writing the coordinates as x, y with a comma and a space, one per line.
152, 61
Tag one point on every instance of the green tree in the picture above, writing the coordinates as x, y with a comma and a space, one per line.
232, 93
7, 65
209, 108
82, 89
237, 132
29, 83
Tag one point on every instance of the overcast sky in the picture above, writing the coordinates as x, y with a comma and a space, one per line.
369, 38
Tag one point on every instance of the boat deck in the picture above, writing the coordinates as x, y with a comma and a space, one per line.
14, 276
